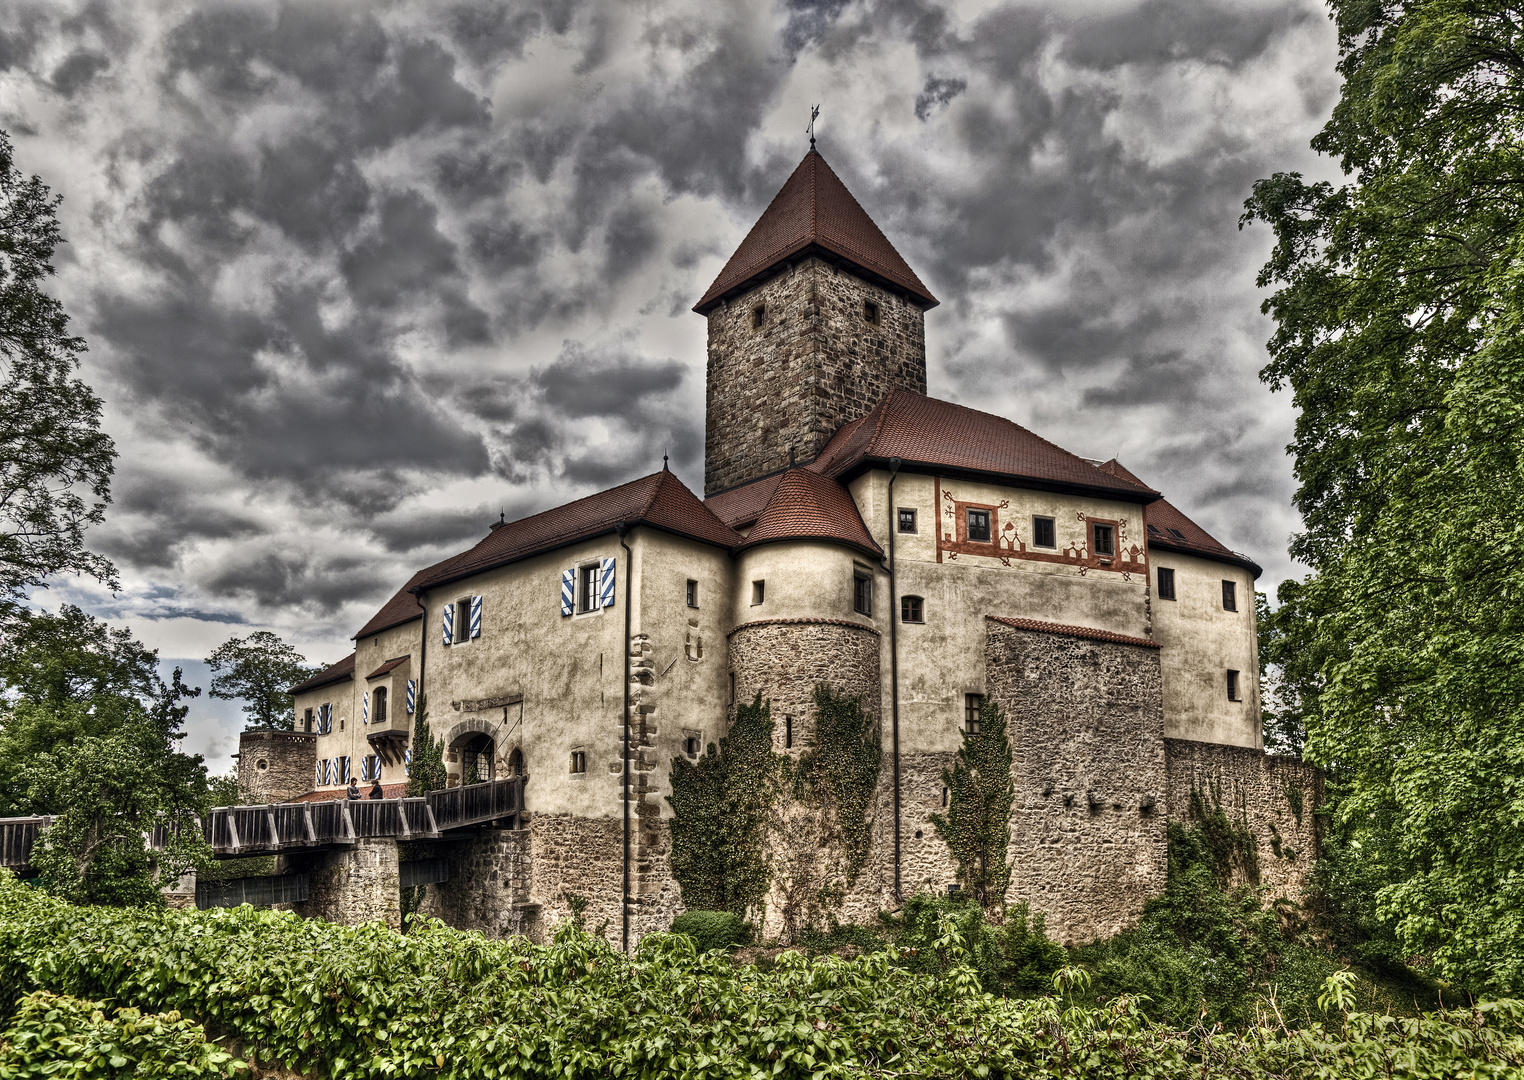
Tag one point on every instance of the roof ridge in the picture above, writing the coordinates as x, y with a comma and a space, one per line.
661, 478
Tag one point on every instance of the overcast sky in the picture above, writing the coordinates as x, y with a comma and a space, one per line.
355, 277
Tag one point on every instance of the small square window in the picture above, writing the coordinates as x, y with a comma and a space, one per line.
1043, 533
758, 591
1105, 539
1232, 685
691, 746
907, 519
870, 312
973, 706
758, 316
862, 594
1229, 596
693, 594
911, 609
579, 761
1166, 583
979, 526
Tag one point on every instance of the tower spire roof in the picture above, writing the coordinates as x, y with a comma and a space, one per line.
815, 211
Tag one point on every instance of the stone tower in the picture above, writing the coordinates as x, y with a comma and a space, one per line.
812, 322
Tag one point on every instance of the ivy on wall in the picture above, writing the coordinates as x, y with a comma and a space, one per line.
1229, 844
977, 826
721, 808
840, 773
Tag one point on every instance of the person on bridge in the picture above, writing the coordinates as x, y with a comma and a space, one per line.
354, 788
375, 789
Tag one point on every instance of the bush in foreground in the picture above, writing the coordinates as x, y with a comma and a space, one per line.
363, 1001
712, 929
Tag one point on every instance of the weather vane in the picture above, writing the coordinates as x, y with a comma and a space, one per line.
814, 112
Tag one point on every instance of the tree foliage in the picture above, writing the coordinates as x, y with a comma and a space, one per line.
89, 733
1399, 304
426, 771
976, 826
259, 669
55, 462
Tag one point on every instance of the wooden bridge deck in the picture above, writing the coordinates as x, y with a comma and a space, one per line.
265, 830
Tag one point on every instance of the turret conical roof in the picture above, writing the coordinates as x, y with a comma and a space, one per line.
815, 210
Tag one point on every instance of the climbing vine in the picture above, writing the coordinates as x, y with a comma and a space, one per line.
841, 773
1229, 844
977, 826
721, 808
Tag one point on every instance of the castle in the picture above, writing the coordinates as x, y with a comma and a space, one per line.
854, 532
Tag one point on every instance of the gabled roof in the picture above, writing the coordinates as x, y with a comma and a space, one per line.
388, 666
402, 607
928, 433
1171, 530
344, 669
806, 505
740, 506
660, 500
814, 210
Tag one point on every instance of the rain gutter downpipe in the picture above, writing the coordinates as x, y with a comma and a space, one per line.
624, 905
423, 645
894, 677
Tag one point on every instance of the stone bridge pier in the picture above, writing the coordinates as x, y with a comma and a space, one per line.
350, 885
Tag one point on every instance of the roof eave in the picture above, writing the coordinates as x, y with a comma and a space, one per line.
1230, 558
803, 250
868, 464
367, 631
308, 687
873, 552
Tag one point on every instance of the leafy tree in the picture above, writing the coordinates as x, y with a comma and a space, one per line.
1399, 303
260, 669
55, 462
976, 826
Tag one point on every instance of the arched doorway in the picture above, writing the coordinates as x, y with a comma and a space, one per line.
515, 763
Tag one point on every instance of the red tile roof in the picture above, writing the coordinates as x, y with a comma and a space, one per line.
740, 506
806, 506
1171, 530
344, 669
401, 608
660, 500
390, 791
814, 210
924, 431
1073, 631
388, 666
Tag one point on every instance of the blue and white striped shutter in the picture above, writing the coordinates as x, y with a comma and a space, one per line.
318, 773
412, 692
327, 764
568, 590
344, 767
365, 708
407, 763
476, 616
606, 583
449, 624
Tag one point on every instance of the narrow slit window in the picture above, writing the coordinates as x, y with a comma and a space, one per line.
1105, 539
1229, 596
907, 519
732, 688
1166, 583
307, 720
1232, 685
758, 316
788, 732
758, 591
912, 609
862, 594
1043, 532
693, 594
979, 526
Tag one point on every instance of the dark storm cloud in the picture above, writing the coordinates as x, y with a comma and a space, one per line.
77, 70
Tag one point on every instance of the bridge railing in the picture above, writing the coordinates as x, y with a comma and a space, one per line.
17, 835
474, 804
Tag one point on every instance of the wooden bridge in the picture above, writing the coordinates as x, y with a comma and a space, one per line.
237, 831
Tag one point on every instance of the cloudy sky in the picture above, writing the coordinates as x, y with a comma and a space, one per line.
356, 277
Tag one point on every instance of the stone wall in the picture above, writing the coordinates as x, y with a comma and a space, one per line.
786, 659
349, 885
577, 856
782, 389
489, 885
1086, 723
275, 766
1274, 797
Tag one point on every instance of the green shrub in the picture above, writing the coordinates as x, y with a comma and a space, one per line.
1013, 958
712, 929
56, 1036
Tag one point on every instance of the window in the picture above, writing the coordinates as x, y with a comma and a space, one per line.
1042, 532
788, 732
378, 698
307, 720
1232, 685
693, 594
691, 746
973, 705
579, 761
1229, 596
1153, 530
911, 609
907, 519
1105, 539
1177, 534
732, 688
1166, 583
758, 316
944, 796
870, 312
862, 594
515, 763
261, 764
587, 588
758, 590
979, 526
462, 628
